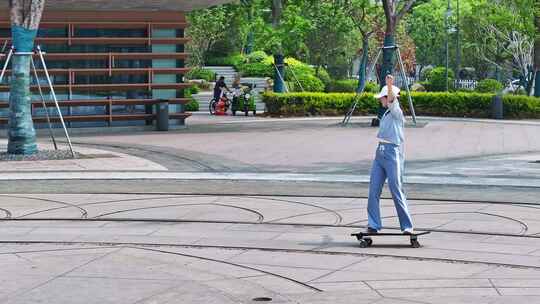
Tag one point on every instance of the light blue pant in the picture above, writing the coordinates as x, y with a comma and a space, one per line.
389, 164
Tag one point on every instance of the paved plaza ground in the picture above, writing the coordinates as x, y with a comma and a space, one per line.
248, 210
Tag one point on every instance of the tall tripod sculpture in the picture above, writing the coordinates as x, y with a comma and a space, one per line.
12, 52
349, 114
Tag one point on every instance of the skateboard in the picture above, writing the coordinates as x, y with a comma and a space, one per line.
365, 238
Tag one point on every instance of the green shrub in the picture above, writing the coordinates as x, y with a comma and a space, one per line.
350, 86
431, 104
323, 75
258, 69
309, 83
192, 106
199, 73
437, 78
231, 60
342, 86
489, 86
190, 91
298, 69
372, 87
425, 73
256, 57
301, 104
194, 90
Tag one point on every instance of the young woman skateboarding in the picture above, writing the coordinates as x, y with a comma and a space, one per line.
389, 162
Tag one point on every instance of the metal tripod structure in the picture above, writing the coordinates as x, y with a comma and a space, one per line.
283, 79
349, 114
12, 52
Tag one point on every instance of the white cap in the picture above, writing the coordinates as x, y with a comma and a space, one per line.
384, 92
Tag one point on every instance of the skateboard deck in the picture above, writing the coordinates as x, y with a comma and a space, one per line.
365, 238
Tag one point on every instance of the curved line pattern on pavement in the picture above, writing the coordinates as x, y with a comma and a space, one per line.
7, 212
339, 218
259, 215
270, 249
231, 264
114, 201
84, 213
524, 226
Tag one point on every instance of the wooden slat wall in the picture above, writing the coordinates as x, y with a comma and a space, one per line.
73, 20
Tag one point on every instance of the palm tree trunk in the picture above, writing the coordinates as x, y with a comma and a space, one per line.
24, 24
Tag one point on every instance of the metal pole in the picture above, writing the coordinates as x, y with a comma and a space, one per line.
4, 46
447, 22
402, 67
295, 78
372, 68
43, 102
458, 47
6, 64
281, 77
54, 98
349, 114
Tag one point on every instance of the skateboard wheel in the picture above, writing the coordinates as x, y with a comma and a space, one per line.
415, 244
369, 242
363, 243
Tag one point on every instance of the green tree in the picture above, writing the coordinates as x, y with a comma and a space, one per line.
426, 27
331, 38
503, 35
364, 15
206, 28
394, 11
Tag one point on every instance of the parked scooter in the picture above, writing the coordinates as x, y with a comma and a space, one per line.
242, 99
221, 106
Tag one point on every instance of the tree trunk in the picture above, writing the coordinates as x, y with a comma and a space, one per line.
24, 24
363, 64
279, 58
251, 36
388, 57
279, 77
277, 8
388, 53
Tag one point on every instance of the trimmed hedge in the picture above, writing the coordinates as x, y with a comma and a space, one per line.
350, 86
431, 104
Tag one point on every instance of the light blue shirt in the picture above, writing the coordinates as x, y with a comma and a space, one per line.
392, 123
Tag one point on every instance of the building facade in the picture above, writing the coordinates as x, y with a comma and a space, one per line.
108, 67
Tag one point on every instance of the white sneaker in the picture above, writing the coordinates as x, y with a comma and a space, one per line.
408, 231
